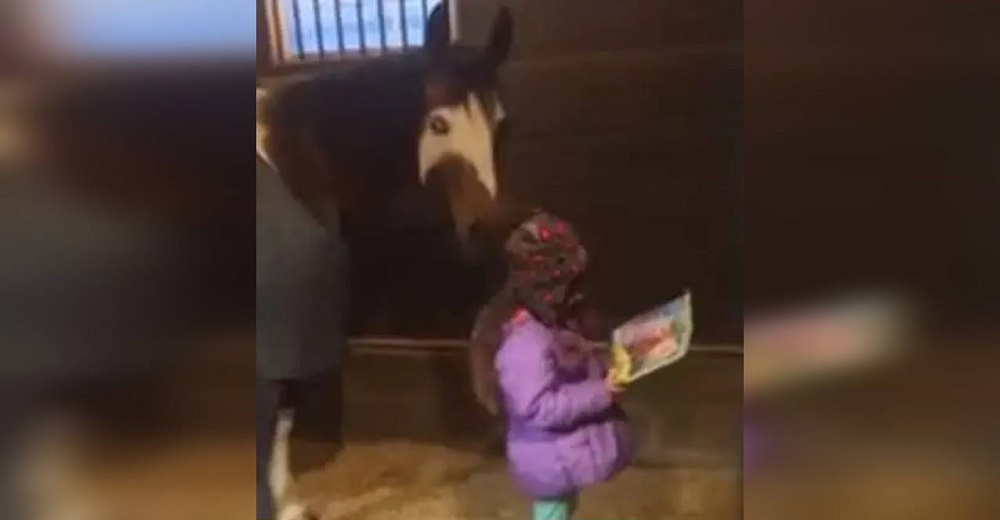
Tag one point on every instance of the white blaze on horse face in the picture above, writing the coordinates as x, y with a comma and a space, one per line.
465, 130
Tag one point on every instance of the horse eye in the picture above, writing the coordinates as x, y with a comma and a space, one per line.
439, 125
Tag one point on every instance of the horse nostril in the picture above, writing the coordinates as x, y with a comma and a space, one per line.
479, 236
479, 228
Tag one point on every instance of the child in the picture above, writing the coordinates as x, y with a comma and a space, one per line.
564, 429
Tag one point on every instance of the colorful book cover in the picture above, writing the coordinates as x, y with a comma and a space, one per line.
652, 340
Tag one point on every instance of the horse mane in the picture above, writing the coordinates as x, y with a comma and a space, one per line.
341, 136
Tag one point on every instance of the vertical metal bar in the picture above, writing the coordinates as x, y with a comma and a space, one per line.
319, 28
381, 23
276, 26
340, 27
452, 20
402, 23
297, 16
423, 5
361, 27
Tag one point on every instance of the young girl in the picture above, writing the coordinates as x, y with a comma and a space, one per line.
530, 365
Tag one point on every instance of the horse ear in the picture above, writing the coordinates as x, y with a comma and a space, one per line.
500, 39
437, 33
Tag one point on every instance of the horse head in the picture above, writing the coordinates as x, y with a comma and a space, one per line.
458, 135
382, 136
398, 154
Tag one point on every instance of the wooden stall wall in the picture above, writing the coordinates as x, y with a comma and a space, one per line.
625, 117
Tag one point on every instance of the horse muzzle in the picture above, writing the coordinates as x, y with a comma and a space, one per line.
471, 205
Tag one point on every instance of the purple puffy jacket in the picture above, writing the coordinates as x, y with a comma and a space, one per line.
564, 431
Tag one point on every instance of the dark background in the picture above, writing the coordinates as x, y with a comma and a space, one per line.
625, 118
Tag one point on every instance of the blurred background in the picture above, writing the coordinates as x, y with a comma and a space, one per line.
127, 226
868, 171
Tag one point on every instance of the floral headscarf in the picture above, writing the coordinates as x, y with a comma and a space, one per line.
545, 259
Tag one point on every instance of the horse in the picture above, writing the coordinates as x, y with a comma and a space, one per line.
397, 154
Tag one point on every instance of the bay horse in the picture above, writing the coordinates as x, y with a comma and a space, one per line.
397, 154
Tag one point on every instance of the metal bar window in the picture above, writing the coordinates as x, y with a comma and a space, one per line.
297, 16
305, 30
380, 4
319, 28
360, 9
338, 11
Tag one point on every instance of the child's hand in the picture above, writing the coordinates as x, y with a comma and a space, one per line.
611, 382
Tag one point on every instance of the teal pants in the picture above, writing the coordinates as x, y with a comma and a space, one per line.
554, 508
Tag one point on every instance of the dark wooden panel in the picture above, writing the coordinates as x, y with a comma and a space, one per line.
656, 220
560, 27
639, 149
674, 91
